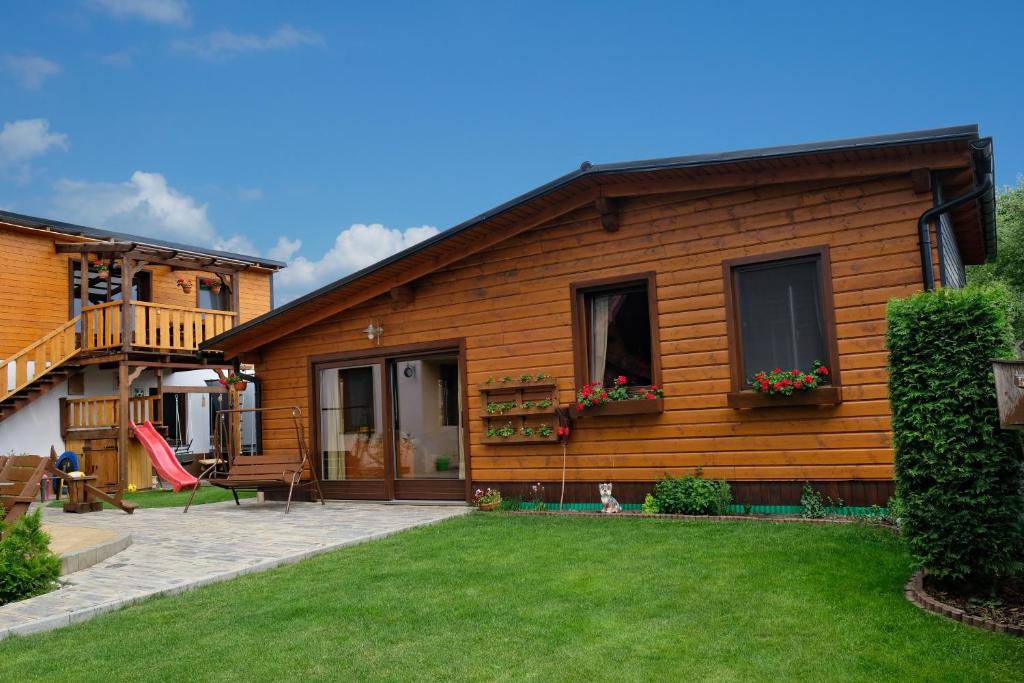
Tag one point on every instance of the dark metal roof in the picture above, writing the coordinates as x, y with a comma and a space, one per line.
964, 133
110, 235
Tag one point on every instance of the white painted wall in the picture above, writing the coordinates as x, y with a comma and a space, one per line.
36, 427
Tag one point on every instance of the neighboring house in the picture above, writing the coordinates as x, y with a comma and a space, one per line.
689, 273
65, 353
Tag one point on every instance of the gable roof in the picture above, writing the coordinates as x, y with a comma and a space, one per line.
942, 148
62, 228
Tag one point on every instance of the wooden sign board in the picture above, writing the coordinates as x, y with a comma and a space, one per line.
1009, 376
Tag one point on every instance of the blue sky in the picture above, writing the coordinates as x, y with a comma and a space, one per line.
358, 129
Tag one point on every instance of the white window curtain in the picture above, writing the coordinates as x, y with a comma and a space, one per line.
331, 421
598, 336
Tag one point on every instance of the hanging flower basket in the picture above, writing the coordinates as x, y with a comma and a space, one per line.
235, 382
211, 283
186, 285
102, 271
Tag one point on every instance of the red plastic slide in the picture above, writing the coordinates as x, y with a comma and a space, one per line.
162, 457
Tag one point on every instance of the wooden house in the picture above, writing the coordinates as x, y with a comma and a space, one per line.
688, 274
83, 356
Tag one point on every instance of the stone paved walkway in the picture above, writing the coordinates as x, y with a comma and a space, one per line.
173, 552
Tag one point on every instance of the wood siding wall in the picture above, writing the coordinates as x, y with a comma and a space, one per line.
34, 289
512, 306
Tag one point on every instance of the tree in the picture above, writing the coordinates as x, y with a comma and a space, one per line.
1008, 267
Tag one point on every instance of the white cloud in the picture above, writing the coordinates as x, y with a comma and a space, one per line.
284, 249
355, 247
121, 60
226, 44
250, 194
173, 12
22, 140
30, 71
145, 205
238, 244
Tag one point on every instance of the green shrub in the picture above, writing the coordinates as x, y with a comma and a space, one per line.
27, 567
957, 473
692, 495
814, 504
650, 505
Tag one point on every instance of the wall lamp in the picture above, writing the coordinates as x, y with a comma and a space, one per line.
374, 331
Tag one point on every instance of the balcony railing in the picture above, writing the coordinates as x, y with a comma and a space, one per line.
152, 327
97, 412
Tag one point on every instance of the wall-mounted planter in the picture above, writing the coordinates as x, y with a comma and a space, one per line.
519, 418
518, 439
1009, 375
643, 406
822, 396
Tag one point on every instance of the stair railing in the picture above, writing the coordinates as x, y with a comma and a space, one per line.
38, 358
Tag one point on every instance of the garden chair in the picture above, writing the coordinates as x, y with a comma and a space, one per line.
20, 475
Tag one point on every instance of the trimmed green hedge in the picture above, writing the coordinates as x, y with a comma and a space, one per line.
958, 474
692, 495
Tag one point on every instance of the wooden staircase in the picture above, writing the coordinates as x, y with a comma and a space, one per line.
39, 367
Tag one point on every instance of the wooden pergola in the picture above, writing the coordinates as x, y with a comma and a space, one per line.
133, 257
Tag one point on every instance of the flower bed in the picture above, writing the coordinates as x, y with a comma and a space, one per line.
620, 399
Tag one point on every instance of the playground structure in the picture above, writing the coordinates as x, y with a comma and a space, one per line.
234, 471
164, 460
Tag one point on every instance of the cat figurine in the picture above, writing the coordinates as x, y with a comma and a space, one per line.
609, 504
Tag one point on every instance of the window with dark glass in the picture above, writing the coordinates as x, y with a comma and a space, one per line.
357, 399
448, 385
616, 335
780, 315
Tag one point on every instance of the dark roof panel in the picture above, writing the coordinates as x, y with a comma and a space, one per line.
108, 235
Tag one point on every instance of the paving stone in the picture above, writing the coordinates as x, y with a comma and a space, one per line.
173, 552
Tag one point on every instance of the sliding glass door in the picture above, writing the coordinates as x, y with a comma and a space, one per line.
427, 422
391, 427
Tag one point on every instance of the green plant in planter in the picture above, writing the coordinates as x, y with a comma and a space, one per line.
527, 431
499, 407
529, 404
504, 431
525, 378
541, 376
545, 403
507, 378
545, 430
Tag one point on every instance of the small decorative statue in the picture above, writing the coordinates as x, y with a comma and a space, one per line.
609, 504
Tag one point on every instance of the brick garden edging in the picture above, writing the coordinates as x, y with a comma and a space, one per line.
915, 592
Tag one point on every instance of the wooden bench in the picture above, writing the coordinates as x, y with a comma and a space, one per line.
24, 472
266, 473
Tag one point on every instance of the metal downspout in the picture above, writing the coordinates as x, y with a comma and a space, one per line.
982, 148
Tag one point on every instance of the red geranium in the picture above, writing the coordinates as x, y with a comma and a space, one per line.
620, 380
787, 382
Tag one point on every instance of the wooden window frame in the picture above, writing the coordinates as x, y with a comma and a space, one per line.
740, 395
580, 345
229, 284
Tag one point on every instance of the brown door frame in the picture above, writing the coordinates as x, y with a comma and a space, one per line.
386, 356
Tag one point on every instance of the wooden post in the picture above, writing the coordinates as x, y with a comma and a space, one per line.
236, 422
235, 303
83, 289
158, 404
124, 392
127, 310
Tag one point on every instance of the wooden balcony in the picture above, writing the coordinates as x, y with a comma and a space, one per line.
150, 327
100, 412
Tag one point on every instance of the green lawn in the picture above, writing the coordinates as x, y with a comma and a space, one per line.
501, 597
170, 499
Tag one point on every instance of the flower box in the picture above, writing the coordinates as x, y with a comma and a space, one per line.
518, 439
498, 385
641, 406
826, 395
